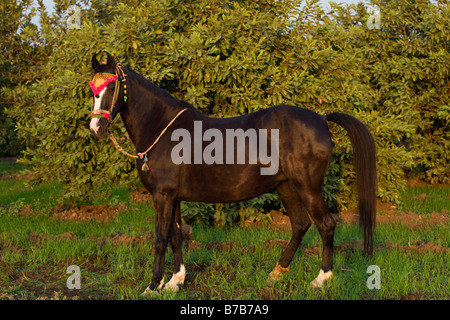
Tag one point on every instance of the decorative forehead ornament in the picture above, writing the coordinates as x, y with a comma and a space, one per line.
100, 81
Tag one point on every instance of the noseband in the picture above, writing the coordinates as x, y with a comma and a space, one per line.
100, 81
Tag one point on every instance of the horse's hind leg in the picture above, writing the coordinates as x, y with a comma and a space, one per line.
179, 272
313, 201
300, 223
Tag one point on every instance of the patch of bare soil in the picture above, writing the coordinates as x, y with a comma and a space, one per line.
389, 214
15, 176
124, 239
419, 247
279, 221
351, 215
117, 239
194, 245
97, 213
410, 220
140, 195
26, 210
416, 182
352, 246
276, 242
270, 293
212, 245
429, 247
38, 238
417, 221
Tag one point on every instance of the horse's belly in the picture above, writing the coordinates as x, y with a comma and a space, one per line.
224, 183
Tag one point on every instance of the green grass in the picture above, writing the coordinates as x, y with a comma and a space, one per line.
20, 192
10, 168
36, 249
425, 199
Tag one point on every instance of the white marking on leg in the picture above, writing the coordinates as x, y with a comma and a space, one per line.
323, 276
177, 279
161, 283
148, 292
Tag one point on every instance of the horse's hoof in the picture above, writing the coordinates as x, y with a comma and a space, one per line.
177, 279
323, 276
171, 288
151, 292
277, 273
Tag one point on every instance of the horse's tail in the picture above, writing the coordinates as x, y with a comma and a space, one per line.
366, 172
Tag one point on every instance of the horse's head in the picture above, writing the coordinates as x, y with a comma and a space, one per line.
109, 94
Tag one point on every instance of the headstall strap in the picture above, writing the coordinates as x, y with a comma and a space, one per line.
99, 83
101, 113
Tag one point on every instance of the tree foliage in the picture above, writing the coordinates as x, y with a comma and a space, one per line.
232, 58
18, 58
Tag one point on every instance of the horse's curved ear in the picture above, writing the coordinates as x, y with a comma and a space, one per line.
94, 61
110, 60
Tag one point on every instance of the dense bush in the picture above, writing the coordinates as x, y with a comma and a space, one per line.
18, 59
231, 58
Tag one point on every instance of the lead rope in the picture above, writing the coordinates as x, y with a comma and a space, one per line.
118, 147
143, 155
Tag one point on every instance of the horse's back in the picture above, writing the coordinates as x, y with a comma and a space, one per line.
304, 141
276, 117
298, 126
302, 133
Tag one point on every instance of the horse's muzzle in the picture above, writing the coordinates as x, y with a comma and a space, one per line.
99, 128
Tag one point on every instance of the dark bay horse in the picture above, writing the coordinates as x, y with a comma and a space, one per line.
299, 138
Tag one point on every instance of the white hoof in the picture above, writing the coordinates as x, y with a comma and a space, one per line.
323, 276
148, 292
176, 280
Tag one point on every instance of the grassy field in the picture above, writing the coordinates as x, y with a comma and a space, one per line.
111, 241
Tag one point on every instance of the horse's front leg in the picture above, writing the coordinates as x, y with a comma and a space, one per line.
179, 272
164, 214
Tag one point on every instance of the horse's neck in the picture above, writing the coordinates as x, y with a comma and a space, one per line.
149, 110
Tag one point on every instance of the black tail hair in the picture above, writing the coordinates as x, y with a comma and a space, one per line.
364, 158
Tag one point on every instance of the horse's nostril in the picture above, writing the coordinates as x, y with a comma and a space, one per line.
94, 134
99, 132
98, 128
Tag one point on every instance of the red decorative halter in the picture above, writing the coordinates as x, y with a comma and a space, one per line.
99, 83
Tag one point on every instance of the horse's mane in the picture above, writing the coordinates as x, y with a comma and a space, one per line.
161, 93
185, 104
147, 84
